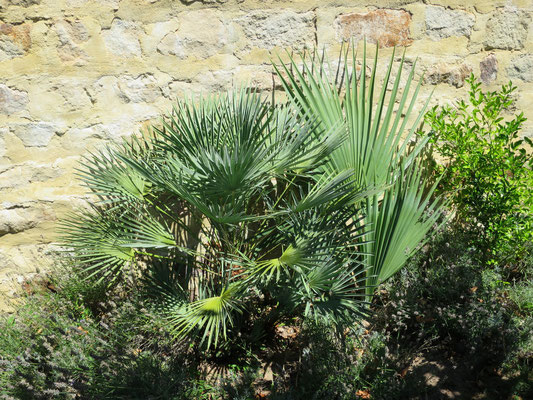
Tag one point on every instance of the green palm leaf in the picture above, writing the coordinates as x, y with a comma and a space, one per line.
380, 150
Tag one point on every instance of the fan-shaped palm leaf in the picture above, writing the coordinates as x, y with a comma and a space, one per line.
380, 150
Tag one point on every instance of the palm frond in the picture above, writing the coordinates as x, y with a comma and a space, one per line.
99, 244
380, 151
212, 316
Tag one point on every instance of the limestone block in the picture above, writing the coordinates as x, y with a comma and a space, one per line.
215, 81
488, 68
36, 134
190, 40
521, 68
267, 29
507, 30
13, 221
74, 94
15, 40
42, 172
442, 22
204, 83
114, 130
126, 122
45, 102
11, 177
104, 89
122, 39
143, 88
30, 172
258, 77
452, 74
12, 100
387, 27
155, 33
24, 3
72, 31
71, 34
76, 139
15, 270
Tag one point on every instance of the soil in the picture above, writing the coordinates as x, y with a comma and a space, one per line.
437, 377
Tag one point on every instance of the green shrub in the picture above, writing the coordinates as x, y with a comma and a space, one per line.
64, 346
448, 302
238, 214
487, 171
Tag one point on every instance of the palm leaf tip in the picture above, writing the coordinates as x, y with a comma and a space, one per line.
291, 256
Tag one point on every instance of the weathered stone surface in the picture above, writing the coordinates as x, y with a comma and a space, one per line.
103, 89
142, 88
11, 177
42, 172
74, 93
29, 172
3, 133
76, 139
452, 74
442, 22
11, 221
79, 134
16, 270
74, 31
121, 39
507, 30
488, 68
216, 81
71, 34
205, 83
123, 125
269, 29
188, 40
258, 78
15, 40
116, 130
386, 27
172, 45
12, 100
522, 68
81, 3
24, 3
99, 75
35, 134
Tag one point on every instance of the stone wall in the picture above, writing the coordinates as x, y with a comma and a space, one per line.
75, 74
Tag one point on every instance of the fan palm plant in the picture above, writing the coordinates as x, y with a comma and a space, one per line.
227, 213
382, 148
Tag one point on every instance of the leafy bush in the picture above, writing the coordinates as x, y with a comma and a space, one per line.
64, 346
447, 302
487, 171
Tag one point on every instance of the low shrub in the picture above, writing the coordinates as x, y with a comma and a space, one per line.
487, 171
447, 303
74, 342
68, 345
